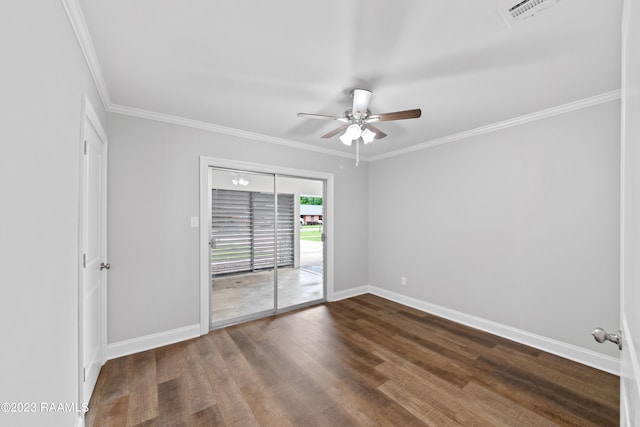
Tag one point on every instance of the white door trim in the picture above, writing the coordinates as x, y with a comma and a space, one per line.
629, 248
89, 114
205, 223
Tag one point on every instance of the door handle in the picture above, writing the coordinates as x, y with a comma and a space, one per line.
104, 266
601, 336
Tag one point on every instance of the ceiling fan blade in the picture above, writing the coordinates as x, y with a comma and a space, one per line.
398, 115
361, 98
323, 117
378, 132
318, 116
335, 131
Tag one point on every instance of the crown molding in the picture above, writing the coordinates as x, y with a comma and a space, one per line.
603, 98
181, 121
79, 25
613, 95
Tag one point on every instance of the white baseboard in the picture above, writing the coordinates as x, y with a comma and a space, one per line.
568, 351
147, 342
352, 292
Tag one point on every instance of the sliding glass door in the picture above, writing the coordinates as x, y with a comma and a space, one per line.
259, 263
303, 282
242, 250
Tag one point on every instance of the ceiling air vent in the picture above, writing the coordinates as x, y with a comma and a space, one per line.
513, 12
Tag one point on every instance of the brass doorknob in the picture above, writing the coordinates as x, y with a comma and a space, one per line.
104, 266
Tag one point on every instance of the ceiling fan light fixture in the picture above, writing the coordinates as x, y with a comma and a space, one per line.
368, 136
346, 139
353, 131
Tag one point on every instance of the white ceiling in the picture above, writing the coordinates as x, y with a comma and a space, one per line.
252, 65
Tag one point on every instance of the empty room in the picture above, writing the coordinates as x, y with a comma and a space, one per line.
243, 213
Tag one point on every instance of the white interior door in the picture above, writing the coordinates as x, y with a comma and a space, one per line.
630, 235
94, 265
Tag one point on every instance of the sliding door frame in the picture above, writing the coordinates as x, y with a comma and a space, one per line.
205, 223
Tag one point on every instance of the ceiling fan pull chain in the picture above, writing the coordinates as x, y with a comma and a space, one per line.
357, 151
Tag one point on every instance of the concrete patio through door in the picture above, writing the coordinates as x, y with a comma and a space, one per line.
238, 295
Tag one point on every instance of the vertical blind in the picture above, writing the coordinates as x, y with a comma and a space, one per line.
242, 236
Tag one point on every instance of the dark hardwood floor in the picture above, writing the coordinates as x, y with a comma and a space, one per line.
364, 361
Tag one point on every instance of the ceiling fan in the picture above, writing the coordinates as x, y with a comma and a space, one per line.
357, 121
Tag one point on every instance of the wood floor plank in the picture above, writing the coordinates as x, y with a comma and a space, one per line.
442, 397
383, 327
112, 413
143, 396
304, 396
113, 383
226, 392
342, 355
532, 393
173, 405
557, 376
363, 361
436, 338
589, 376
365, 411
168, 361
419, 407
207, 417
199, 393
115, 379
354, 390
258, 396
500, 411
423, 357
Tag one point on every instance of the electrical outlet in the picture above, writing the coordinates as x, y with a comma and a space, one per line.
403, 281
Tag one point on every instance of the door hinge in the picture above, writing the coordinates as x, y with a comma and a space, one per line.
84, 373
85, 146
84, 260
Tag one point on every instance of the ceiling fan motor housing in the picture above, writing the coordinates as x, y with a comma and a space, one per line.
348, 114
361, 99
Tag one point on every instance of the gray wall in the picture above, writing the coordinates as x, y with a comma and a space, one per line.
153, 191
518, 226
44, 78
